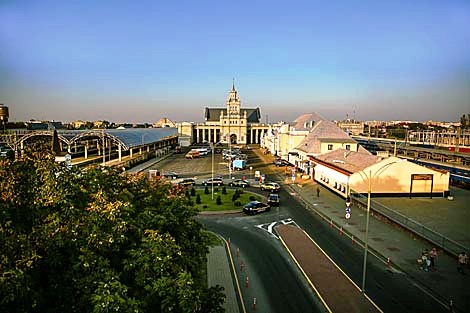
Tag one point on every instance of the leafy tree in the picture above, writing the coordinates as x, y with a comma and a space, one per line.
236, 195
193, 192
206, 190
218, 201
97, 241
198, 199
224, 191
465, 121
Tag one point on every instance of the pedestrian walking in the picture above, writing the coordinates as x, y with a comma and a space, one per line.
318, 192
432, 258
462, 263
424, 262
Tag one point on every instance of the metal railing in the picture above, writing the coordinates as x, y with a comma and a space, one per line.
436, 238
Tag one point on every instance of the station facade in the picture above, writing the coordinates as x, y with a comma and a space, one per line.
233, 124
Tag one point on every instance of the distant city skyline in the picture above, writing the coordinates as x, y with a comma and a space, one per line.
139, 61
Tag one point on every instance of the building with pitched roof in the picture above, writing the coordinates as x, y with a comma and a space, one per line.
344, 171
164, 122
308, 135
232, 123
283, 138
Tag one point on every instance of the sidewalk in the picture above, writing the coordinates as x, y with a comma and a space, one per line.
388, 241
219, 273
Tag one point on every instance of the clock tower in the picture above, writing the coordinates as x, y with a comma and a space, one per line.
233, 102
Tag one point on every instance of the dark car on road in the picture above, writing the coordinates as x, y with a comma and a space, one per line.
273, 199
281, 162
239, 183
187, 182
213, 181
170, 175
271, 187
254, 207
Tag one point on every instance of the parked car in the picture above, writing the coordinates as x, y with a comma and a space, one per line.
254, 207
270, 186
202, 151
281, 162
192, 154
239, 183
230, 156
241, 156
215, 181
187, 182
273, 199
170, 175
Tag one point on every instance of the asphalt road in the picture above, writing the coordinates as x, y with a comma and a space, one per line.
275, 280
393, 291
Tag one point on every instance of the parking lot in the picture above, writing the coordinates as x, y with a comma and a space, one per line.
201, 168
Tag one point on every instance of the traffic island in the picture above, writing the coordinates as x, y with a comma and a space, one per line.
328, 281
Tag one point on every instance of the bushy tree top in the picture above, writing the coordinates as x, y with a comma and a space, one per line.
97, 241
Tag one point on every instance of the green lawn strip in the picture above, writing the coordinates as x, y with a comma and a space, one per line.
227, 204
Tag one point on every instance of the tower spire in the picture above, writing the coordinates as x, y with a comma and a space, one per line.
233, 84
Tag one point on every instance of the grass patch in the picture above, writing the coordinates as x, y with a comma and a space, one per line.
209, 204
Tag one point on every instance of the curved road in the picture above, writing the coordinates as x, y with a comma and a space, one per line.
280, 287
273, 277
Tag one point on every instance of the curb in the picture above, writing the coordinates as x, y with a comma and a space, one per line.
234, 273
375, 252
327, 308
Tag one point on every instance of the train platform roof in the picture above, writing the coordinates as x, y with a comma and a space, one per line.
128, 138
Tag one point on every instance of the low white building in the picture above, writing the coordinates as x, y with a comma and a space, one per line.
345, 171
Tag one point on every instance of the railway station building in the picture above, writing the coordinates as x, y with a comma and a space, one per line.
233, 124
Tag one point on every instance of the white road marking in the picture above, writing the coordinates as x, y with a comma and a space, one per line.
268, 227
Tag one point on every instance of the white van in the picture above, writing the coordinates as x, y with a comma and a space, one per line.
202, 151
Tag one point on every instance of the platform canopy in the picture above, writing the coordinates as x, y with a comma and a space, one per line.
141, 136
127, 138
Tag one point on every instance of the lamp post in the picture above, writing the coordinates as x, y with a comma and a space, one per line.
212, 145
366, 239
212, 171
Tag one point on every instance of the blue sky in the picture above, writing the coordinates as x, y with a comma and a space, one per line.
139, 61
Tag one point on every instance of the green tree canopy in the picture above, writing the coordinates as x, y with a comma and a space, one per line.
97, 241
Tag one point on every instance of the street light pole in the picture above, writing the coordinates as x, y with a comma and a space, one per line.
212, 171
366, 239
212, 145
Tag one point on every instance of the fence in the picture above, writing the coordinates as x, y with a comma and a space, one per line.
436, 238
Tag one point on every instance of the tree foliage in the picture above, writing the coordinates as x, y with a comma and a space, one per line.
97, 241
465, 121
